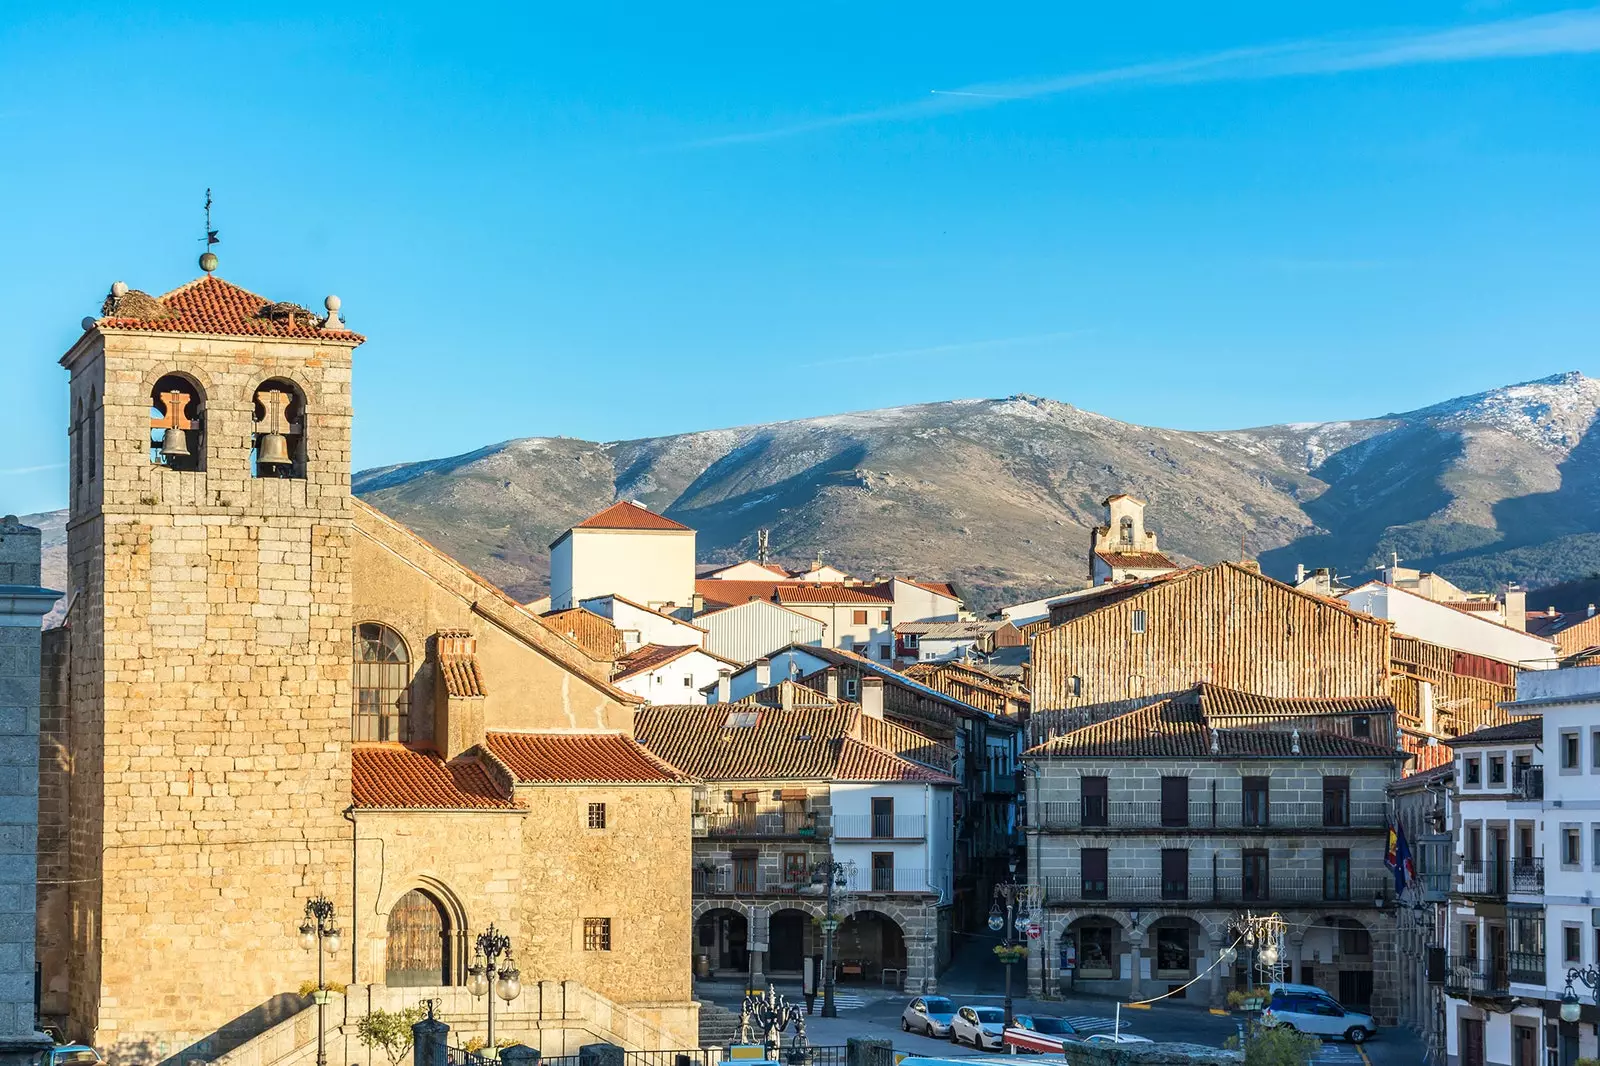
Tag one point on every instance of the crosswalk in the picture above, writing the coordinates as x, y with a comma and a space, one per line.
1338, 1053
1088, 1023
849, 1000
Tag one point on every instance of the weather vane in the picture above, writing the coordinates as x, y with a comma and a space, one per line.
208, 258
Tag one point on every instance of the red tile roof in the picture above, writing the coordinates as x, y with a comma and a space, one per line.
626, 515
809, 593
1137, 560
594, 634
211, 305
578, 758
862, 762
648, 657
393, 777
941, 588
1233, 703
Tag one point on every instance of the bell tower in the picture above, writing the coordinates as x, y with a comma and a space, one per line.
209, 547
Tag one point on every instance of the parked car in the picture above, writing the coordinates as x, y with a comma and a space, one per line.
1039, 1033
928, 1015
1282, 988
73, 1055
1318, 1016
1117, 1038
982, 1027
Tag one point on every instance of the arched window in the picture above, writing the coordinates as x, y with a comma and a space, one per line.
1127, 530
382, 685
279, 441
418, 947
177, 429
91, 437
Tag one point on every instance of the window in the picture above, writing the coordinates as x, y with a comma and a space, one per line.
1569, 749
1594, 851
744, 874
1256, 791
1474, 771
1571, 943
1092, 793
1571, 846
1075, 685
1474, 844
177, 425
883, 817
1497, 769
1336, 801
883, 616
795, 870
883, 871
382, 685
597, 816
909, 640
886, 652
1125, 528
1257, 880
688, 681
1594, 750
1172, 949
1361, 726
1335, 874
1092, 865
851, 687
1174, 801
1096, 951
597, 934
859, 618
1139, 618
1174, 873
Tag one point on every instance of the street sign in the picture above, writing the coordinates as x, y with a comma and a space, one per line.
1034, 931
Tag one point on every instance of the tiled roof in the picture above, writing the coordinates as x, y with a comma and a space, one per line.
774, 570
949, 630
941, 588
732, 593
1176, 729
578, 758
840, 657
648, 657
462, 675
808, 593
211, 305
648, 610
1137, 560
737, 742
626, 515
392, 777
1232, 703
1525, 729
594, 634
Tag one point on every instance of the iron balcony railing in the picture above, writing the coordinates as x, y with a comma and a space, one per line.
1480, 878
1152, 814
880, 827
733, 881
1526, 967
1527, 876
1203, 888
899, 880
1527, 782
795, 825
1467, 975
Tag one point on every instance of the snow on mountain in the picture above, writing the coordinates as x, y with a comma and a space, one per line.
1553, 412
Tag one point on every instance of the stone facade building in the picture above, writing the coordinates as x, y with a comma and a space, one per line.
1151, 831
266, 691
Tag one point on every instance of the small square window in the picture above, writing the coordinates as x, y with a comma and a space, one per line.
885, 618
1139, 620
1594, 850
597, 816
1361, 726
597, 934
1497, 769
886, 652
860, 618
851, 687
1474, 771
1571, 943
688, 682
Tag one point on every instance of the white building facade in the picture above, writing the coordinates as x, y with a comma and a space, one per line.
626, 549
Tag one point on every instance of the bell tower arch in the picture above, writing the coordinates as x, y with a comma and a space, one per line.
210, 659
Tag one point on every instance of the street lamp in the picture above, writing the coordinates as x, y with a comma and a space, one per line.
832, 874
494, 973
319, 928
1009, 895
1589, 976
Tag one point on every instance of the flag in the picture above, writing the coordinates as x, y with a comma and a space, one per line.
1397, 857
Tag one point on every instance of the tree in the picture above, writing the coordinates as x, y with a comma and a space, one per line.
1278, 1047
389, 1031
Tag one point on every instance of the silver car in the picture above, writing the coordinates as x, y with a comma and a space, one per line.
928, 1015
1318, 1016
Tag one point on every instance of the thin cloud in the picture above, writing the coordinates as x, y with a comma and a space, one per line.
949, 349
31, 469
1574, 32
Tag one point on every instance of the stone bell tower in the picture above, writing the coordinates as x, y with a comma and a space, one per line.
210, 610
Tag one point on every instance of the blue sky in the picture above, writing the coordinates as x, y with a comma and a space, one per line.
610, 221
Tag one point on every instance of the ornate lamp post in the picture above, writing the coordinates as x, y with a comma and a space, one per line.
834, 875
319, 929
494, 972
1589, 977
1003, 916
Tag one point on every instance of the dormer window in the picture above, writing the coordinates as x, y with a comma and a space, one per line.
177, 429
279, 438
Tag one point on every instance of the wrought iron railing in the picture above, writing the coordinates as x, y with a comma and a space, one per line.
1480, 878
1527, 876
799, 825
1528, 967
880, 827
1467, 975
1152, 814
732, 881
1527, 782
1203, 888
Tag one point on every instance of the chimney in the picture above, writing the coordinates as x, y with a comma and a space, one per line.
458, 720
1550, 611
1517, 608
697, 605
786, 695
1591, 611
1425, 705
763, 673
830, 681
724, 686
1299, 573
872, 696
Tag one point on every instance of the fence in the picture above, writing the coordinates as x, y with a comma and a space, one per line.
825, 1055
1152, 814
796, 825
733, 881
880, 827
1203, 888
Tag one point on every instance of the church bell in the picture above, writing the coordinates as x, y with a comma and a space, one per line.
273, 449
175, 444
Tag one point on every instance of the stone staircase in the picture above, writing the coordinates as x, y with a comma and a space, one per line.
719, 1026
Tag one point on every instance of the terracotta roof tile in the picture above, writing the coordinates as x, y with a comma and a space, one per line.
1524, 729
1137, 560
648, 657
626, 515
594, 634
578, 758
808, 593
211, 305
392, 777
1232, 703
862, 762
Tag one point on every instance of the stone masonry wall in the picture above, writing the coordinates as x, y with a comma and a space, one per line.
53, 941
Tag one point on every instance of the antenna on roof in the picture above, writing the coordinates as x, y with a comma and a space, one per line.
208, 258
763, 546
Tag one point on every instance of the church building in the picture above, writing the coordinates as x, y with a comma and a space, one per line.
265, 691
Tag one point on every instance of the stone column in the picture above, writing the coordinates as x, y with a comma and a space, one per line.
1297, 942
22, 604
1135, 960
1215, 981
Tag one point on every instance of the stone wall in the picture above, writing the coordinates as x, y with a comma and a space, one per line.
53, 942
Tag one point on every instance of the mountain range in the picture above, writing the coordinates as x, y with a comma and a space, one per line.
999, 495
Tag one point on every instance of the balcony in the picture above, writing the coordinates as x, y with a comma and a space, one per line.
1205, 890
1527, 967
1487, 879
1073, 815
899, 880
880, 827
724, 881
1527, 783
769, 825
1527, 876
1466, 976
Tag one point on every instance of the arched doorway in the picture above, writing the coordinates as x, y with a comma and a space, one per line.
866, 943
787, 932
417, 950
723, 936
1091, 950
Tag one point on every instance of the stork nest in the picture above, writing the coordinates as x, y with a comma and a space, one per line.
286, 313
133, 304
